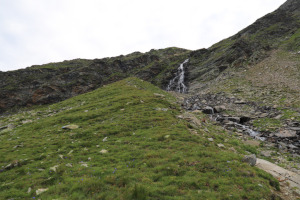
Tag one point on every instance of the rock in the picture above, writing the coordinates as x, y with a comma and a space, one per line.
54, 168
291, 146
84, 165
158, 95
286, 134
26, 121
266, 153
278, 117
232, 149
20, 145
103, 151
219, 108
70, 127
263, 115
210, 139
40, 191
282, 145
251, 159
105, 139
240, 102
221, 145
297, 129
208, 110
69, 165
195, 107
234, 119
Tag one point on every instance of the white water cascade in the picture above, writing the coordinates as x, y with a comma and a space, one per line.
178, 80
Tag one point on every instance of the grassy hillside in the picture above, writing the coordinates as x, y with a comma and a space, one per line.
129, 140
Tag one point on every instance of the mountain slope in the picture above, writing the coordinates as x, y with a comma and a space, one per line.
55, 82
277, 30
127, 141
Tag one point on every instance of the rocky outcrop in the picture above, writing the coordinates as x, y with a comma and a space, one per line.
249, 118
55, 82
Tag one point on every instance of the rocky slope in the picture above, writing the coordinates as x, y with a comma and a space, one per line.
55, 82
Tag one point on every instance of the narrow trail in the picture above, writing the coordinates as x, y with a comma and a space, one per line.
289, 181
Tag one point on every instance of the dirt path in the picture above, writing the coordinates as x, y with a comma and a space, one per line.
289, 181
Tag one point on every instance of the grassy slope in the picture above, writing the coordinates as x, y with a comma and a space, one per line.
152, 154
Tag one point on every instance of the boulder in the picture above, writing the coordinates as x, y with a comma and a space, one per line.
234, 119
250, 159
218, 109
208, 110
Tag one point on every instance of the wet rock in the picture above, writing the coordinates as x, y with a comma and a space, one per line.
234, 119
208, 110
196, 107
244, 119
250, 159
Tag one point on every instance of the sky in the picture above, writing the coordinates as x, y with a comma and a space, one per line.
34, 32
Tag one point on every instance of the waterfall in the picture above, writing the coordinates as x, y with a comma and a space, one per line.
178, 80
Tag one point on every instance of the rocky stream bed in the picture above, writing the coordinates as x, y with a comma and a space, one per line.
265, 123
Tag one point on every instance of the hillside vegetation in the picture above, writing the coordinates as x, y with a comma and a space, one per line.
127, 140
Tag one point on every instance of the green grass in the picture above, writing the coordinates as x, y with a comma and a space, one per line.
151, 153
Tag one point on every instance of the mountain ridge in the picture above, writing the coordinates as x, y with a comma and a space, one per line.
247, 47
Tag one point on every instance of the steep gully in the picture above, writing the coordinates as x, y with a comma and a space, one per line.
216, 105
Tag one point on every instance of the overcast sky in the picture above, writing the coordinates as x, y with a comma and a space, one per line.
42, 31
